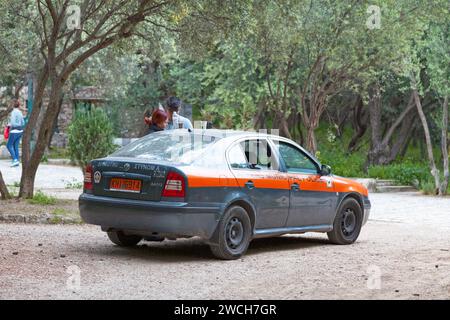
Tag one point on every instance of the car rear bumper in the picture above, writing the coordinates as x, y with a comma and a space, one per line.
164, 217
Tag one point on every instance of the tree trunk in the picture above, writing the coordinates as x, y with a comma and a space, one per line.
283, 125
404, 137
259, 121
379, 153
341, 119
444, 133
301, 139
359, 124
423, 119
3, 189
33, 118
311, 142
50, 114
311, 122
55, 123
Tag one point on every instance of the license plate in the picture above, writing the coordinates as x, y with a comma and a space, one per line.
126, 185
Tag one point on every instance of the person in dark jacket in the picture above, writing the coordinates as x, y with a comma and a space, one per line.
159, 121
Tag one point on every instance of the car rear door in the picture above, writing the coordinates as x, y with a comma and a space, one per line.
255, 168
312, 196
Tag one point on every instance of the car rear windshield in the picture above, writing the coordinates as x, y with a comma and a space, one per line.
172, 146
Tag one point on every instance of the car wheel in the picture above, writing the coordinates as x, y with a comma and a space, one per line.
234, 234
347, 224
123, 240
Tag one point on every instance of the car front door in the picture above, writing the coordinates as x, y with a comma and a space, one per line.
312, 196
255, 168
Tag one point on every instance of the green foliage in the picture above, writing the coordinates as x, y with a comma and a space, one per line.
411, 170
428, 187
60, 211
266, 60
58, 153
343, 164
44, 159
405, 173
90, 136
55, 219
42, 199
332, 152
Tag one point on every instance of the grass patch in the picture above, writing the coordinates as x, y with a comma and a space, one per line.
58, 153
41, 198
60, 212
428, 188
55, 220
74, 184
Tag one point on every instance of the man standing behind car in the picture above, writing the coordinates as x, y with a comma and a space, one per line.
176, 121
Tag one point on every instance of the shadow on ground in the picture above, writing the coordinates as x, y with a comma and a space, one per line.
191, 250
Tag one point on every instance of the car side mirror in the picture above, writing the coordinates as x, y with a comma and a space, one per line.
325, 170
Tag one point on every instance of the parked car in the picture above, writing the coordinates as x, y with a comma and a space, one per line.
227, 187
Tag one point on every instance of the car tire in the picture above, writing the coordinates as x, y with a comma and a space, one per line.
347, 223
234, 234
123, 240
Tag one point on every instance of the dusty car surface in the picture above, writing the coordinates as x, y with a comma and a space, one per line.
227, 187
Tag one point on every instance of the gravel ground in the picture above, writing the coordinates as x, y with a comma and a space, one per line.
403, 252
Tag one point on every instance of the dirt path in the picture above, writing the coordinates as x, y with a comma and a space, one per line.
403, 252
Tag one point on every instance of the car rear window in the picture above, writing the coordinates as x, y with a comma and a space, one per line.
172, 146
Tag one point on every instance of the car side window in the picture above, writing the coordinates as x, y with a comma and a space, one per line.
236, 157
258, 154
295, 160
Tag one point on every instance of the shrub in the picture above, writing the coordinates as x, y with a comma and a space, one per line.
428, 188
90, 136
406, 173
342, 164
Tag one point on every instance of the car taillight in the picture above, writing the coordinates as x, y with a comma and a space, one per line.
175, 185
88, 177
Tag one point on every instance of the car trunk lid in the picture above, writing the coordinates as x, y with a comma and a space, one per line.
129, 178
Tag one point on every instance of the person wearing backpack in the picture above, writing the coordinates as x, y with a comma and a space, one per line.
16, 124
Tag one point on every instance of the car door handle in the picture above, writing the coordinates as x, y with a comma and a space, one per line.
249, 184
295, 187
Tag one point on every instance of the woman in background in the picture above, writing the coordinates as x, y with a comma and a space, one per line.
16, 123
159, 121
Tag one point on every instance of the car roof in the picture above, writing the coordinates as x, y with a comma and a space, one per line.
229, 136
224, 133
